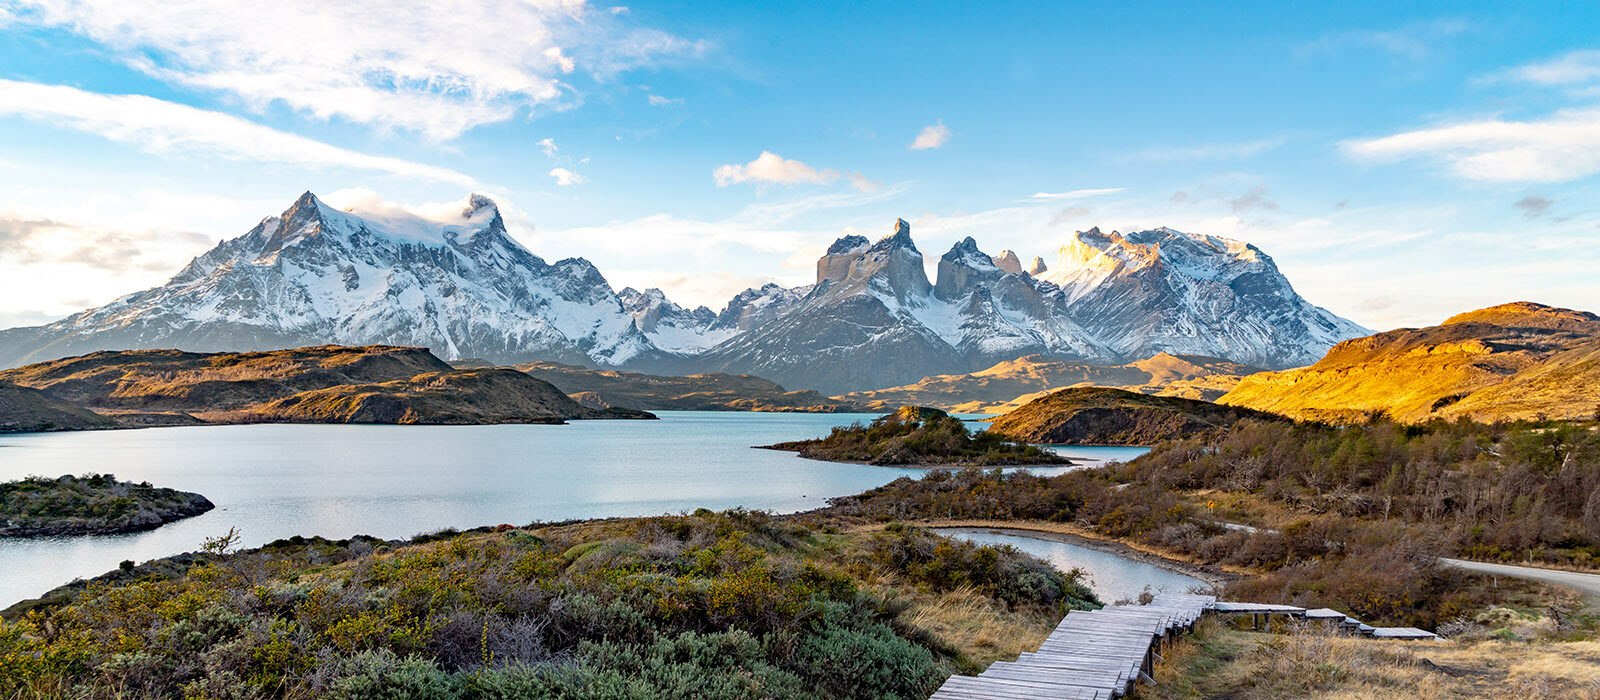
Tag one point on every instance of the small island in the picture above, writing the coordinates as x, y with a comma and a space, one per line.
919, 436
1107, 416
94, 504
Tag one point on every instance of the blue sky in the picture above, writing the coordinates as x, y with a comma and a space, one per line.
1400, 163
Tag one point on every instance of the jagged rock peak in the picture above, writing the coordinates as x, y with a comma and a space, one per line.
848, 245
901, 238
1008, 262
476, 202
1037, 267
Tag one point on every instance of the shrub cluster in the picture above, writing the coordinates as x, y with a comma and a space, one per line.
1369, 507
710, 605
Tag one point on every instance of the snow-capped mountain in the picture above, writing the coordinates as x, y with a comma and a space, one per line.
1184, 293
669, 326
874, 319
314, 274
463, 288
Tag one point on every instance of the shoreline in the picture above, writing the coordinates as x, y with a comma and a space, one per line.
1058, 532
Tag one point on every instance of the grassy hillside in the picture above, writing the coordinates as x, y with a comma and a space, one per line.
30, 410
918, 436
997, 388
330, 383
695, 392
1519, 361
1104, 416
459, 397
95, 504
710, 605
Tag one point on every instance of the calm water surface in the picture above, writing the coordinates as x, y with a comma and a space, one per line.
275, 481
1112, 577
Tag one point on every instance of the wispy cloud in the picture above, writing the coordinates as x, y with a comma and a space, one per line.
32, 240
1074, 194
434, 68
566, 178
1574, 68
659, 101
772, 169
1412, 41
1209, 151
1563, 146
932, 136
172, 129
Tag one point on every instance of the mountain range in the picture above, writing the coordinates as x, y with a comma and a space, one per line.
464, 288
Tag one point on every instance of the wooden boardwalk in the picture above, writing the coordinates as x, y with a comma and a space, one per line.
1101, 654
1091, 655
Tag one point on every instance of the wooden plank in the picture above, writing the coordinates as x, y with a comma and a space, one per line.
1016, 688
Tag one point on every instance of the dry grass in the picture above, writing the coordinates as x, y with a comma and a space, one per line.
980, 627
1222, 662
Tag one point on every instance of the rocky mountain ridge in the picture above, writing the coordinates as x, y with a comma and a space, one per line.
461, 286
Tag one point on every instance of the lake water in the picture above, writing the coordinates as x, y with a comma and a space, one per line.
275, 481
1112, 577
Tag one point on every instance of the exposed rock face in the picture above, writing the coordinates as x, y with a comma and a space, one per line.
1037, 267
695, 392
25, 410
1104, 416
1507, 362
1008, 262
325, 384
459, 286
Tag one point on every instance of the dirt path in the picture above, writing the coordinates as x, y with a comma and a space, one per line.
1589, 584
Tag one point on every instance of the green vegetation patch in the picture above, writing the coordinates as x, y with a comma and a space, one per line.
91, 504
711, 605
919, 436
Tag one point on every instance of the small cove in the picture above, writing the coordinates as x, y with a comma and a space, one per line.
1111, 576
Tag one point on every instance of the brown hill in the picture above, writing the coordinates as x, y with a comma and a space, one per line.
456, 397
1012, 383
327, 383
1105, 416
1513, 361
695, 392
24, 410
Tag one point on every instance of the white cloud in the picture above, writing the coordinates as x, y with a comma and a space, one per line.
772, 169
932, 136
434, 68
548, 145
1563, 146
659, 101
1210, 151
1572, 68
1074, 194
171, 129
566, 178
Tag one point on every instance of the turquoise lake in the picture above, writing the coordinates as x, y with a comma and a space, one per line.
276, 481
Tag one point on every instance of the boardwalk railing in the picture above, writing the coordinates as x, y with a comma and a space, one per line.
1101, 654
